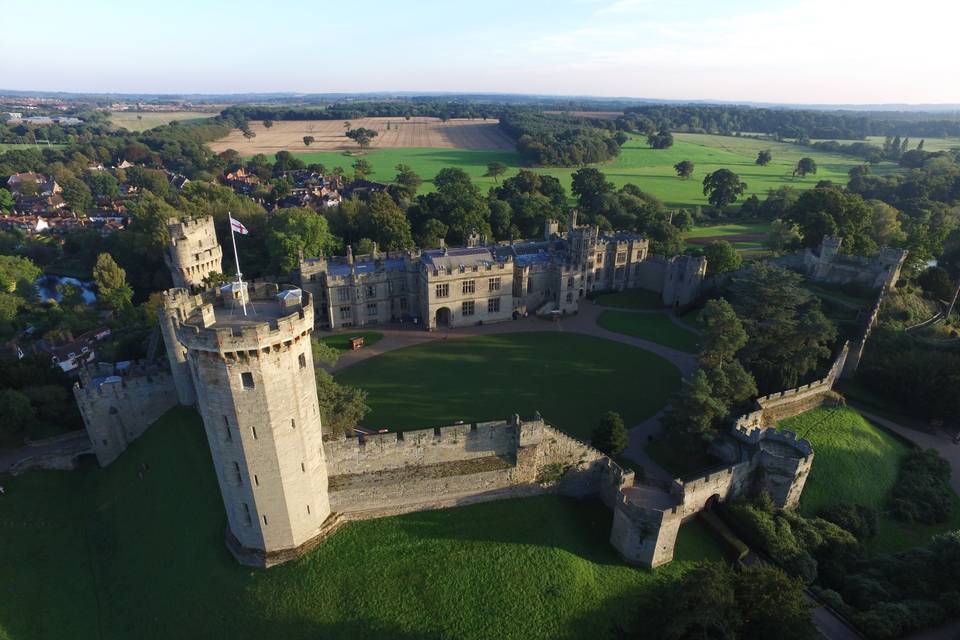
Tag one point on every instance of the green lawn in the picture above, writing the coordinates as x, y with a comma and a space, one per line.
631, 299
727, 229
9, 146
857, 462
143, 120
571, 379
341, 341
103, 553
650, 169
655, 327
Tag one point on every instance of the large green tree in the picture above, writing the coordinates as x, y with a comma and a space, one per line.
385, 223
611, 436
456, 203
362, 136
111, 282
830, 211
294, 232
721, 257
723, 187
804, 167
789, 335
684, 169
77, 195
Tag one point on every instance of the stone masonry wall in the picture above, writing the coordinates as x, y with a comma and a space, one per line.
793, 402
393, 473
118, 410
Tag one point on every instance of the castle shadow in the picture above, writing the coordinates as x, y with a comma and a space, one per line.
580, 526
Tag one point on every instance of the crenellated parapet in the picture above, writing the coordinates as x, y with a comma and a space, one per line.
215, 322
193, 252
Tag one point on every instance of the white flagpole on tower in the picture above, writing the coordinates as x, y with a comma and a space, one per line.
236, 259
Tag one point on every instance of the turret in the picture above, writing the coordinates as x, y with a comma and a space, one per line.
193, 252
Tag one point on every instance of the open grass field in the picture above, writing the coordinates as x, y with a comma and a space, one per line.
7, 146
745, 236
857, 462
650, 169
655, 327
419, 132
571, 379
143, 120
104, 553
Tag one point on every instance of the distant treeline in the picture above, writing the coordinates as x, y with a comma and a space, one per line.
556, 140
789, 123
354, 110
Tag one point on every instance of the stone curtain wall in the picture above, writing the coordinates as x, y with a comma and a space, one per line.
119, 410
793, 402
391, 473
858, 346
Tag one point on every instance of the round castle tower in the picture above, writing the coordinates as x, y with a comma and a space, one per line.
193, 252
256, 392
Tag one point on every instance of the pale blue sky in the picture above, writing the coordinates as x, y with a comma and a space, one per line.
814, 51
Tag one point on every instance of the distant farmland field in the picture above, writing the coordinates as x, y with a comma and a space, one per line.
143, 120
4, 146
650, 169
430, 133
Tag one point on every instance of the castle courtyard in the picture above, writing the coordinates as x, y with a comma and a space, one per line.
571, 379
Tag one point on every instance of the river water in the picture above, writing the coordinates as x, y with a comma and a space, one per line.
48, 286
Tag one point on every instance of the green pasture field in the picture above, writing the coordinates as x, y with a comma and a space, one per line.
650, 169
571, 379
857, 462
655, 327
143, 120
122, 553
9, 146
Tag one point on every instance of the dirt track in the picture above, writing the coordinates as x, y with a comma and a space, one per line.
483, 135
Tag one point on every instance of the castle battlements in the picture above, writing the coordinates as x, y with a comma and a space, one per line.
214, 320
193, 252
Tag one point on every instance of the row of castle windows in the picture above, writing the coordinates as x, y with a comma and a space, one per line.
373, 310
467, 286
370, 291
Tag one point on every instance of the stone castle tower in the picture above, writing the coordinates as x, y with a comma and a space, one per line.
193, 252
255, 389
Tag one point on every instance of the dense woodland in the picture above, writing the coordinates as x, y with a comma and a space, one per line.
790, 123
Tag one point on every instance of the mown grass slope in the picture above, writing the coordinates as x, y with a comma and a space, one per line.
857, 462
122, 553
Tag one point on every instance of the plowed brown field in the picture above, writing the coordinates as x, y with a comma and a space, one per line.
483, 135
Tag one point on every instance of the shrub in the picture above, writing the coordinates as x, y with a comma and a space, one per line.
922, 492
859, 520
611, 435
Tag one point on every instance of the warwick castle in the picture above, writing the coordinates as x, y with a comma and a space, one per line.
285, 486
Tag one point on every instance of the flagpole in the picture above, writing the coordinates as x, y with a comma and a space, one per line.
236, 259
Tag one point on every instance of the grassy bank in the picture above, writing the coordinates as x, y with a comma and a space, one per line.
106, 553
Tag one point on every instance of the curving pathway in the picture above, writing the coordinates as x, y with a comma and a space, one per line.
585, 322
